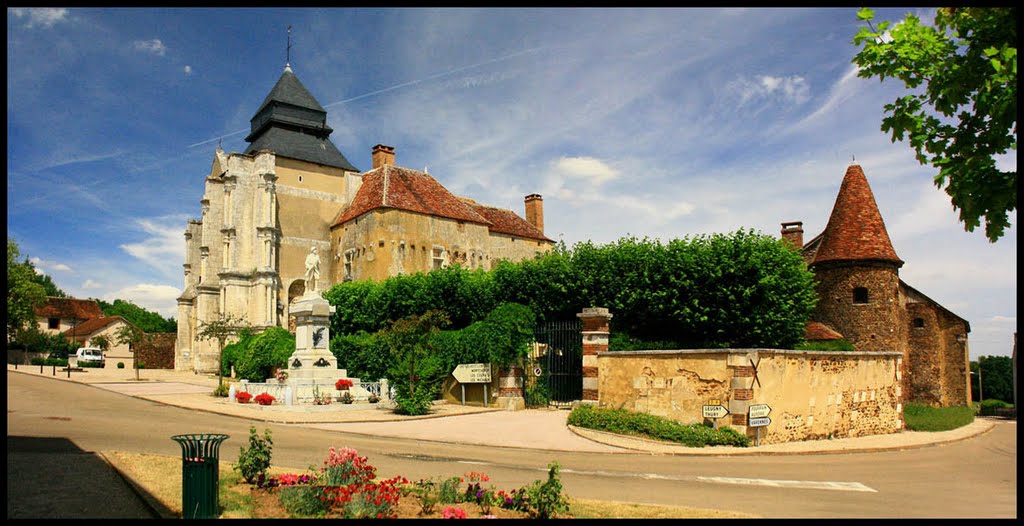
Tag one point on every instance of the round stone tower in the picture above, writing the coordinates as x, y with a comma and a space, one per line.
857, 272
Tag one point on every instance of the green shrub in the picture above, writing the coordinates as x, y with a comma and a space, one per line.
546, 499
120, 365
38, 361
256, 357
363, 354
59, 362
254, 460
536, 393
922, 417
221, 390
304, 500
94, 365
140, 364
988, 406
231, 353
656, 427
828, 345
740, 289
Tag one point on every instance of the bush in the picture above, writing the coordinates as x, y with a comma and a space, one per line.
741, 290
255, 460
988, 406
94, 365
656, 427
363, 354
546, 499
38, 361
120, 365
255, 359
140, 365
221, 390
922, 417
304, 501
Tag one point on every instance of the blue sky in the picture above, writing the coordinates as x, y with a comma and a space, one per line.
647, 122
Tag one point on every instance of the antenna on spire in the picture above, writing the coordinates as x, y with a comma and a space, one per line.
219, 139
288, 51
854, 158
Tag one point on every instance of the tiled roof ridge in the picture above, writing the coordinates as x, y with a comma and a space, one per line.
855, 229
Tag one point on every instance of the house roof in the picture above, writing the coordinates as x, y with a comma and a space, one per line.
855, 230
399, 188
92, 326
505, 221
817, 331
69, 308
911, 291
291, 123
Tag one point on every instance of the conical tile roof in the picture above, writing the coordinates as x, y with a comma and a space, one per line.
855, 230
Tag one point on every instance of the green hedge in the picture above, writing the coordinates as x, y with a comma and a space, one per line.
988, 406
831, 345
254, 356
630, 423
725, 290
922, 417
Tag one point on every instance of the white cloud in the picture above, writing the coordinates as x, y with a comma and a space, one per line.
188, 69
42, 16
842, 90
43, 265
154, 46
794, 88
586, 168
90, 284
164, 249
157, 298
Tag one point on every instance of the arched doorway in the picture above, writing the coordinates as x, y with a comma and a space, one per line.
295, 291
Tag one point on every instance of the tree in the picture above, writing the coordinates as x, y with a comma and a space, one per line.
996, 378
221, 329
132, 336
102, 341
963, 110
147, 321
23, 293
414, 362
47, 283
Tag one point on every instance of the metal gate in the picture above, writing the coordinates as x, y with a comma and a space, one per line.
560, 358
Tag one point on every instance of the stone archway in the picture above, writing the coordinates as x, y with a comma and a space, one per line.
295, 291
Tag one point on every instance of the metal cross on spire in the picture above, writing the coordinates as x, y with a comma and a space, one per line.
288, 52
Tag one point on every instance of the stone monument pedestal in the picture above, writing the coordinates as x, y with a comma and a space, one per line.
312, 367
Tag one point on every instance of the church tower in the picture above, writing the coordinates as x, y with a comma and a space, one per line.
263, 210
857, 271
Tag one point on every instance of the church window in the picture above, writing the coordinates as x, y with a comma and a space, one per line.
348, 265
53, 323
860, 295
918, 323
300, 178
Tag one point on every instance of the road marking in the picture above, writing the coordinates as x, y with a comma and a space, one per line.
801, 484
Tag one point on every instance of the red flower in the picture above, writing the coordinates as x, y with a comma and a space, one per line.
343, 384
243, 397
264, 399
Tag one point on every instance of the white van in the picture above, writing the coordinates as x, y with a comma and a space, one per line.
91, 354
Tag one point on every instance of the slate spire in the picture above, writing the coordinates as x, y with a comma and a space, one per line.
855, 230
291, 123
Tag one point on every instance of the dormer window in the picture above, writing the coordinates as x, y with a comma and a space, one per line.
860, 295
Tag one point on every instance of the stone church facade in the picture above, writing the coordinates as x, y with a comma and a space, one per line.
862, 299
265, 209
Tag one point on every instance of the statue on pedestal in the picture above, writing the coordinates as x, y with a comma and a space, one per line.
312, 269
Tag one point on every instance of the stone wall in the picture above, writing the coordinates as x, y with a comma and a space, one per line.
813, 394
873, 326
158, 353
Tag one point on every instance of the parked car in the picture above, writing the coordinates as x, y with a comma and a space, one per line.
92, 354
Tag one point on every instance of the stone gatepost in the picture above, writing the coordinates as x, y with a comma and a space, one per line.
595, 339
741, 387
510, 389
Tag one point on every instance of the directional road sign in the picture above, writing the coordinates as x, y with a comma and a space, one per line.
472, 373
759, 422
759, 411
715, 411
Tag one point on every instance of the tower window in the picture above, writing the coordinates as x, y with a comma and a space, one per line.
53, 323
860, 295
918, 323
438, 257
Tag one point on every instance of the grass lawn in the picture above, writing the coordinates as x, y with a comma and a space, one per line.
920, 417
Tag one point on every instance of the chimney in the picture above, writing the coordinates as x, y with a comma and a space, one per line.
383, 155
793, 232
535, 211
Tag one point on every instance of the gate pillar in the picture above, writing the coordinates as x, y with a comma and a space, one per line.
595, 339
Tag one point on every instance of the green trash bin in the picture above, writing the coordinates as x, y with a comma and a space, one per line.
200, 474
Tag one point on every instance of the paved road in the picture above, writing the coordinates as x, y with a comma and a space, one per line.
943, 481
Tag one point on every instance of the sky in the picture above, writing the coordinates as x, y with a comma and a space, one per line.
659, 123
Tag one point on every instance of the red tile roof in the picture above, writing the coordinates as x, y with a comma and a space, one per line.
855, 230
404, 189
505, 221
817, 331
69, 308
85, 329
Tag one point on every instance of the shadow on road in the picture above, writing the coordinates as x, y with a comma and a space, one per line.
54, 478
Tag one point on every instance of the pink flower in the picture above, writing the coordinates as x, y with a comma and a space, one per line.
453, 513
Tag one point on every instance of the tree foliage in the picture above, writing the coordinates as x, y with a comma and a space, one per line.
256, 355
962, 110
221, 329
47, 283
146, 320
24, 294
996, 378
415, 367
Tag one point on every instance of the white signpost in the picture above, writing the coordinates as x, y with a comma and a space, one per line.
472, 373
757, 417
714, 410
